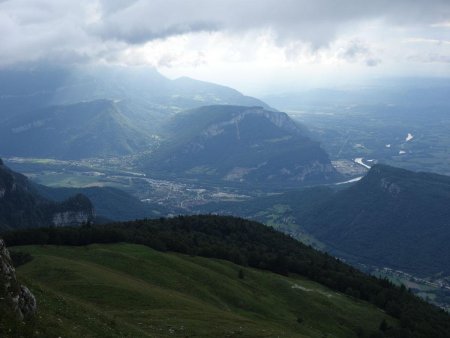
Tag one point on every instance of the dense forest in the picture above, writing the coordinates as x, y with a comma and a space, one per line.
252, 244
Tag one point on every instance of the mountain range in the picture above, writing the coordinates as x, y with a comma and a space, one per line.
180, 128
83, 112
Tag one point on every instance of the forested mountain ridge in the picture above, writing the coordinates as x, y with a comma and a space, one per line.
392, 217
22, 207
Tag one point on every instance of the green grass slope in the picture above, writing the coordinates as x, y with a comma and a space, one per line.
127, 290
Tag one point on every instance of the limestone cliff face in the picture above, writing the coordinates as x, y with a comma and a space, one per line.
71, 218
73, 211
278, 119
14, 298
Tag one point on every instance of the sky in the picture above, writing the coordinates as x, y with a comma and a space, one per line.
256, 46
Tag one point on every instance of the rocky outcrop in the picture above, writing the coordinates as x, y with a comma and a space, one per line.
278, 119
390, 187
14, 298
71, 218
74, 211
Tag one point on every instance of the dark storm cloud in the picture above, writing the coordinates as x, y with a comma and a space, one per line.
315, 21
59, 29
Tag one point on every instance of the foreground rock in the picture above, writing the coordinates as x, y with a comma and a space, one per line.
15, 299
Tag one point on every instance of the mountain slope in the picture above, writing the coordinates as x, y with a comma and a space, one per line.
189, 93
393, 223
87, 129
142, 93
246, 243
145, 93
283, 211
131, 290
393, 217
22, 207
79, 112
240, 145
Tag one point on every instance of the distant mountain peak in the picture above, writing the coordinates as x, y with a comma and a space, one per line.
241, 144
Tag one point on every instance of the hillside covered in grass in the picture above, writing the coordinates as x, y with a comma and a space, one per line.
253, 245
127, 290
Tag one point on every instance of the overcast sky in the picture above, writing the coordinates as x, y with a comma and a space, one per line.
256, 46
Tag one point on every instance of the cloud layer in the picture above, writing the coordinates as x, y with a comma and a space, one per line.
317, 22
173, 32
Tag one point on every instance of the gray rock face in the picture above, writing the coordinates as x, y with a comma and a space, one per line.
280, 120
13, 296
27, 302
71, 218
390, 187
